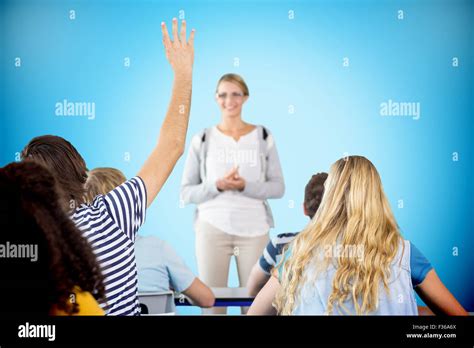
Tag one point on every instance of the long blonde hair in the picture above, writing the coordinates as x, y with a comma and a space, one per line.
354, 211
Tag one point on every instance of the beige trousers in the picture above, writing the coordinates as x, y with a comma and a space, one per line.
214, 248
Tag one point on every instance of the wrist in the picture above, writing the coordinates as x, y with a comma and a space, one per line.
183, 75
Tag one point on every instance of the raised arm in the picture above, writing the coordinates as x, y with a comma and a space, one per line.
438, 298
172, 137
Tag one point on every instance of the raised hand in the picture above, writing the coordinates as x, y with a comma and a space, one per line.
180, 54
172, 135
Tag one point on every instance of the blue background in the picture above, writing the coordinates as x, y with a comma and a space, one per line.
285, 62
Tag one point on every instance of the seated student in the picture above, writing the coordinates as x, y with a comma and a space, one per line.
272, 254
261, 271
48, 267
159, 267
111, 222
321, 274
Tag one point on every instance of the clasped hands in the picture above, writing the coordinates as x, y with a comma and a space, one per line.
232, 181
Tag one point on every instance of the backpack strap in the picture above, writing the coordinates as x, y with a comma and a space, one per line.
203, 152
265, 133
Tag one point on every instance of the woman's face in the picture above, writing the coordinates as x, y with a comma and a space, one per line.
230, 99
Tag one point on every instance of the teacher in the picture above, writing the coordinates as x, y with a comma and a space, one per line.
230, 172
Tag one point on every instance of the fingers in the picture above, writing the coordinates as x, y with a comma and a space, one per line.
182, 33
191, 37
174, 29
224, 185
166, 37
232, 173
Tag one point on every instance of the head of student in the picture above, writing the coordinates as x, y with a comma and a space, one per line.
63, 161
354, 211
231, 94
313, 194
49, 258
100, 181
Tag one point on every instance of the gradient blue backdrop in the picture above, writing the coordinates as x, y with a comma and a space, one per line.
285, 62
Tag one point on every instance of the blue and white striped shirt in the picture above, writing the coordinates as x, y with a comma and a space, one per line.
110, 223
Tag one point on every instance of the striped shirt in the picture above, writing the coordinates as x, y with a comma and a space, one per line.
110, 223
274, 250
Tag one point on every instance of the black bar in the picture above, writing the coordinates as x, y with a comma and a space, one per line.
245, 329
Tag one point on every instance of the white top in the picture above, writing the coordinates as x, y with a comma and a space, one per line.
231, 211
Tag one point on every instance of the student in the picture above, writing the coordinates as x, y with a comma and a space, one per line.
111, 222
47, 266
160, 268
261, 271
321, 274
272, 254
230, 172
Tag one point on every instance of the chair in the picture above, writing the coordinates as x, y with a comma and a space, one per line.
153, 303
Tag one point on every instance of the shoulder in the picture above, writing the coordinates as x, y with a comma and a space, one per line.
92, 211
266, 136
88, 305
278, 243
150, 242
128, 189
285, 238
200, 137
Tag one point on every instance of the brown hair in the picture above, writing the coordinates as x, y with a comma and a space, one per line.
63, 160
101, 181
33, 216
234, 78
313, 193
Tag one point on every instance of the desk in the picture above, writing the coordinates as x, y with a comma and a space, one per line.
225, 297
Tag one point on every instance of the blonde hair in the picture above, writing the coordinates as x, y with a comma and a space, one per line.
102, 181
236, 79
354, 211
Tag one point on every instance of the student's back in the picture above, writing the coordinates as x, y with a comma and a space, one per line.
400, 300
159, 266
351, 258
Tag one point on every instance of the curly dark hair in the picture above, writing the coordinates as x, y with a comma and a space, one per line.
313, 193
31, 214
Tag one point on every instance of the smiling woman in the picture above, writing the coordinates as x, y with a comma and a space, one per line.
230, 172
